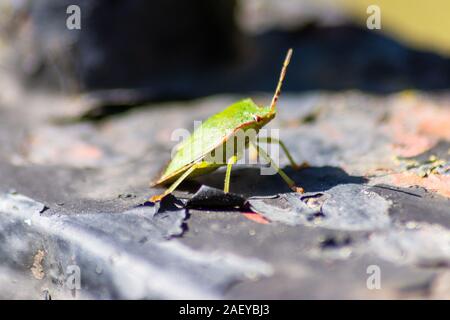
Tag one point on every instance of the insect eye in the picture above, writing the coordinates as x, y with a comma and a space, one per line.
257, 118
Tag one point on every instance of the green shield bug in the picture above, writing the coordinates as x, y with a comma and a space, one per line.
207, 148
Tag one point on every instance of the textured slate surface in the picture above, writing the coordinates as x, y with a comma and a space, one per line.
72, 193
120, 255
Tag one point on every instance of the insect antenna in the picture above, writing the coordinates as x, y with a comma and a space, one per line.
280, 81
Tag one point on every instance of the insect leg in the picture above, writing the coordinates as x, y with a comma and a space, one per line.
283, 175
174, 185
288, 154
231, 161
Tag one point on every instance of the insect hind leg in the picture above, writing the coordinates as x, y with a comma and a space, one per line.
294, 164
283, 175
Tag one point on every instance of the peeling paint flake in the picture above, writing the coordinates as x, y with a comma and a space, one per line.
344, 207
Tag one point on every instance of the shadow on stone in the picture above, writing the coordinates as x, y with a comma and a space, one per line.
248, 181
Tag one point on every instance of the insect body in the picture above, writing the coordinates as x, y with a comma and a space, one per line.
216, 134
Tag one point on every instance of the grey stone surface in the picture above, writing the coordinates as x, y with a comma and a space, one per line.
419, 243
81, 190
344, 207
119, 255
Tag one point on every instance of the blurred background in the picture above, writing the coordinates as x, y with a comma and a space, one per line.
135, 51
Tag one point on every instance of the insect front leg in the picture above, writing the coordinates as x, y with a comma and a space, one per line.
230, 163
294, 165
177, 182
283, 175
